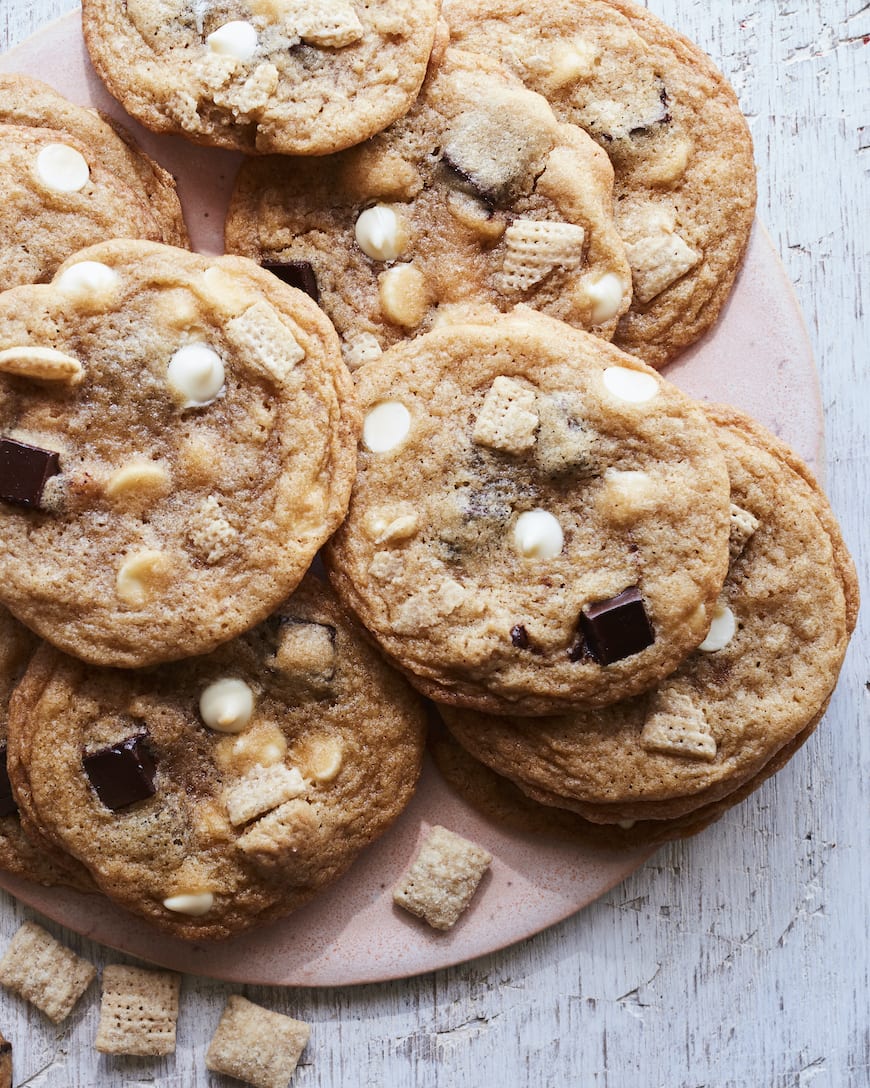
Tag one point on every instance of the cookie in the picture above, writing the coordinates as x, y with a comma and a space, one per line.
58, 198
28, 103
538, 519
34, 859
681, 150
292, 78
760, 680
216, 793
178, 440
477, 198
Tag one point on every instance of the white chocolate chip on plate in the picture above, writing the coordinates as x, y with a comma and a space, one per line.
386, 426
62, 168
227, 705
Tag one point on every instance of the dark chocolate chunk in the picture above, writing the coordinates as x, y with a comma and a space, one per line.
617, 628
122, 774
24, 471
520, 637
297, 274
8, 805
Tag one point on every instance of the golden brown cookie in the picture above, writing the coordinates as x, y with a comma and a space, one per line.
477, 198
219, 792
302, 77
178, 439
671, 124
538, 520
760, 679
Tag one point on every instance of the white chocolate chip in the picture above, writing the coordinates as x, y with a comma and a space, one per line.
403, 294
227, 705
62, 168
193, 903
722, 629
570, 62
138, 477
386, 426
380, 234
625, 495
538, 535
196, 375
605, 295
385, 530
236, 39
326, 760
630, 385
42, 364
626, 825
88, 282
141, 576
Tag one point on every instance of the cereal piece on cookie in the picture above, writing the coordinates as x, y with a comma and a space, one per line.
443, 878
138, 1011
256, 1045
743, 526
507, 420
44, 972
676, 726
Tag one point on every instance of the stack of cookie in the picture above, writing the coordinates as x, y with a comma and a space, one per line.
630, 606
195, 739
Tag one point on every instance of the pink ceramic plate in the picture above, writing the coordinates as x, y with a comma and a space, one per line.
758, 358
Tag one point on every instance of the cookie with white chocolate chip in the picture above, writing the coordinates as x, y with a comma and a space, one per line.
216, 793
290, 77
69, 181
672, 126
178, 439
751, 692
538, 519
477, 197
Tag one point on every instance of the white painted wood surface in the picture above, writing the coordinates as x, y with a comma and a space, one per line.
738, 959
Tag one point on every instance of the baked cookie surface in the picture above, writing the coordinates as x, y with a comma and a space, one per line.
477, 197
259, 76
671, 124
29, 103
215, 793
538, 520
758, 683
179, 438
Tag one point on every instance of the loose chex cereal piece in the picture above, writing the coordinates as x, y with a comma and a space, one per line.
5, 1063
138, 1011
44, 972
256, 1045
442, 878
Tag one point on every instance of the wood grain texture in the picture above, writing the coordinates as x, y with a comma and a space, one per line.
736, 959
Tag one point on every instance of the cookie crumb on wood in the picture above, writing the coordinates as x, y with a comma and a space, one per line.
45, 972
138, 1012
256, 1045
442, 879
